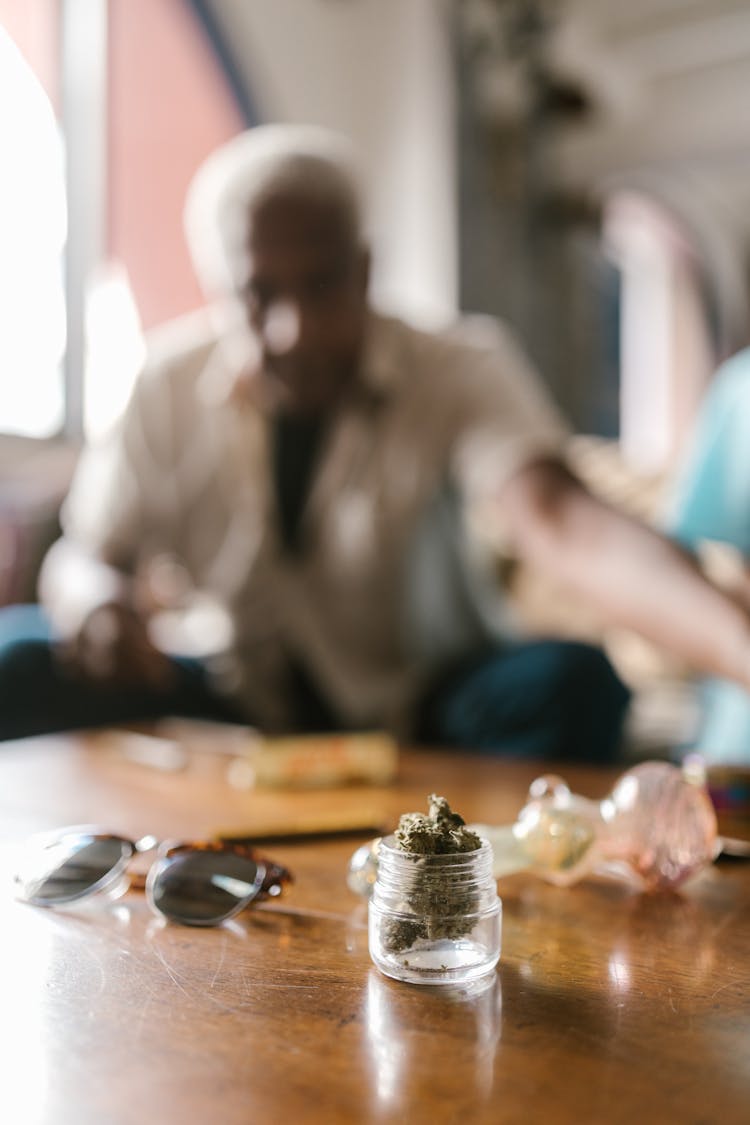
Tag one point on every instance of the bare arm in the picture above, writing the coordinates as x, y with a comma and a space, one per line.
630, 573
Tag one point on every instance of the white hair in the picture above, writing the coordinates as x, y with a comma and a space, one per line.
263, 161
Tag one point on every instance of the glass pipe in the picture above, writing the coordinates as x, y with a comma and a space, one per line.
657, 827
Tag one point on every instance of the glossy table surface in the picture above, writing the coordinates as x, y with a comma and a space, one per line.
607, 1006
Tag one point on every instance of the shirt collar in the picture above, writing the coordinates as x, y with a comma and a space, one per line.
380, 371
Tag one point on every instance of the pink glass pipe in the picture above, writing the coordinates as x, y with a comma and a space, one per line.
657, 825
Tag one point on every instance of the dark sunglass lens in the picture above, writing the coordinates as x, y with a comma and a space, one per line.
70, 867
201, 888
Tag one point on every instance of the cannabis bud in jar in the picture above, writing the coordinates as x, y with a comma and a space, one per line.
440, 832
434, 912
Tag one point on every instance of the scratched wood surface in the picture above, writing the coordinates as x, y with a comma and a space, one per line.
608, 1006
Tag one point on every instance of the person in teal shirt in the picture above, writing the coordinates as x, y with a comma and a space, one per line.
711, 502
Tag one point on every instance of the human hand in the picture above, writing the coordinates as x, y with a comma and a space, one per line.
112, 647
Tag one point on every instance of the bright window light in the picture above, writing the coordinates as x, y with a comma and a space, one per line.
115, 348
32, 236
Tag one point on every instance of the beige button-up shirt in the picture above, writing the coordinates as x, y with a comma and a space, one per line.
388, 588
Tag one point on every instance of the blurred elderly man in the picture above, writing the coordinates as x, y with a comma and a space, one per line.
309, 464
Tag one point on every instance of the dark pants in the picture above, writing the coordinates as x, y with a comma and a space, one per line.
544, 699
538, 699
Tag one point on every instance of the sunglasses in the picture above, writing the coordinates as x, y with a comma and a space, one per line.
197, 884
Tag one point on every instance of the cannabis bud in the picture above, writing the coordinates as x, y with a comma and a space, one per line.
440, 832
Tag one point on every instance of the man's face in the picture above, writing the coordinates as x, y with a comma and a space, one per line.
305, 298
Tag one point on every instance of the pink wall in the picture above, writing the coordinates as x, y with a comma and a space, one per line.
33, 27
169, 106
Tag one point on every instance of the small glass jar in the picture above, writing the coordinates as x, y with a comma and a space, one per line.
434, 919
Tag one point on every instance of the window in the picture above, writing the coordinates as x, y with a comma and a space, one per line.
666, 356
91, 204
32, 235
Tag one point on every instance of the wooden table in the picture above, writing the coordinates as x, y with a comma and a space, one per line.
608, 1006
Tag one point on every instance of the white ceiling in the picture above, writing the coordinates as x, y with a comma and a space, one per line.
674, 81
